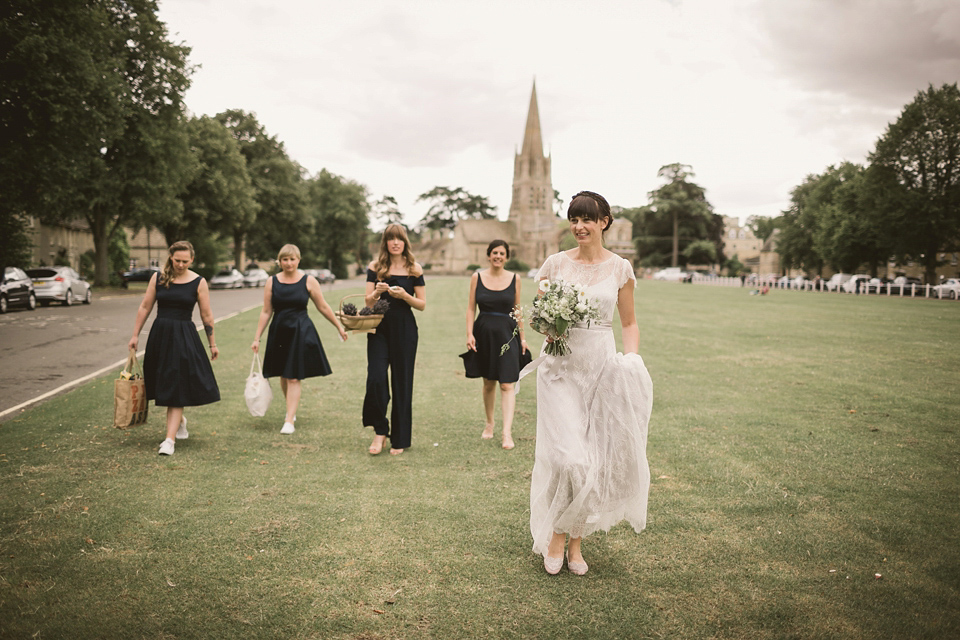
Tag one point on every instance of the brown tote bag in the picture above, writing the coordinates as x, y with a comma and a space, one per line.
130, 395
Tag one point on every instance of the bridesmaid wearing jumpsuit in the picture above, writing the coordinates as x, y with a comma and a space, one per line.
396, 276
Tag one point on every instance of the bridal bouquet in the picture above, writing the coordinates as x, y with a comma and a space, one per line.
559, 306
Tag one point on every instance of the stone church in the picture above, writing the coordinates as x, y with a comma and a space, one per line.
533, 229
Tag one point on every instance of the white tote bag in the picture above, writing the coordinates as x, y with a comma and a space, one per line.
257, 393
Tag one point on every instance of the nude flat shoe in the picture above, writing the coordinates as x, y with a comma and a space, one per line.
576, 568
376, 447
552, 565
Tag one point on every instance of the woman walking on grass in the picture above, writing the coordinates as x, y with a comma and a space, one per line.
593, 405
396, 275
496, 292
294, 351
176, 370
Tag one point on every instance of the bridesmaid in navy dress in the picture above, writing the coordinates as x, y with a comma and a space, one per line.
293, 350
397, 275
496, 292
176, 370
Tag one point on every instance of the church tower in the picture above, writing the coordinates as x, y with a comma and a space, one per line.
531, 207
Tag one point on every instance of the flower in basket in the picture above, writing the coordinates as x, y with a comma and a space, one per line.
559, 306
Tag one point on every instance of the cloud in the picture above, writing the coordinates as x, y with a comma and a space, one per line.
864, 51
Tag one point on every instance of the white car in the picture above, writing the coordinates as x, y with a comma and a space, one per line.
61, 284
856, 284
255, 278
949, 288
836, 280
227, 279
672, 274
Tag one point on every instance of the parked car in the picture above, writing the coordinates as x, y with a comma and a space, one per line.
16, 290
532, 273
836, 280
902, 285
949, 288
255, 278
324, 275
875, 285
140, 274
672, 274
855, 284
784, 282
61, 284
227, 279
799, 282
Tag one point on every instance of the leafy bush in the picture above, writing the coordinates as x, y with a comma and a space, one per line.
516, 265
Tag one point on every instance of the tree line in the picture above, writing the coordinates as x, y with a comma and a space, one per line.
94, 127
902, 205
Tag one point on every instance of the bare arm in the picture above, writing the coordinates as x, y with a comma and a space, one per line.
471, 312
373, 290
628, 318
143, 311
313, 288
206, 316
265, 314
416, 301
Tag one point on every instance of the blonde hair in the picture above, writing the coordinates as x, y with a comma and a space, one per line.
166, 276
382, 264
288, 251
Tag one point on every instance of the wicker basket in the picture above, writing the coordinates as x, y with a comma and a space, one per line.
358, 324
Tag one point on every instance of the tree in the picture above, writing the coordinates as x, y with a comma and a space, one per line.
450, 206
798, 225
340, 211
218, 202
279, 189
678, 223
847, 235
15, 243
761, 226
914, 178
386, 212
91, 114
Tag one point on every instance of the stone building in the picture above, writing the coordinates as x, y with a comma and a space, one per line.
533, 229
739, 241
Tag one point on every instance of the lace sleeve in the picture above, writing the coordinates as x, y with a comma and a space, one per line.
549, 268
625, 273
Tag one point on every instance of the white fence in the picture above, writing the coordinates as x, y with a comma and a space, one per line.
893, 290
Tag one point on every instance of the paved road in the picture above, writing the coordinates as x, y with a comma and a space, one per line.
44, 349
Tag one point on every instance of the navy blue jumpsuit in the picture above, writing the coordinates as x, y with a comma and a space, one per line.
393, 345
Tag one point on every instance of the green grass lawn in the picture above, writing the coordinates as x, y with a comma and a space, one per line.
800, 444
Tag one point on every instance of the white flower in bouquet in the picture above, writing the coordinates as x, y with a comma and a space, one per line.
558, 307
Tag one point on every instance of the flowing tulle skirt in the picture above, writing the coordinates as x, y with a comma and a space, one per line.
593, 411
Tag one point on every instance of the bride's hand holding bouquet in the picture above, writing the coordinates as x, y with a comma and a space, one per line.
557, 307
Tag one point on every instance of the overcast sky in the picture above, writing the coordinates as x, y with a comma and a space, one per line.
405, 96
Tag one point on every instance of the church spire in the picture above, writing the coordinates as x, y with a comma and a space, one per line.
532, 140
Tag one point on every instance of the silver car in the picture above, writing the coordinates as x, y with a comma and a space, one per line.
61, 284
255, 278
227, 279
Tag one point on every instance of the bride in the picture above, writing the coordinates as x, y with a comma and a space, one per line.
593, 405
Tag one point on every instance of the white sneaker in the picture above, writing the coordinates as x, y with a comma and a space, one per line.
166, 447
287, 428
182, 433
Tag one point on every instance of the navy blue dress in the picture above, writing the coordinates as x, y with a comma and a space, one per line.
293, 349
176, 368
492, 329
393, 345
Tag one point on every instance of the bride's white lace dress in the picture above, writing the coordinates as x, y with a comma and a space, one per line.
593, 409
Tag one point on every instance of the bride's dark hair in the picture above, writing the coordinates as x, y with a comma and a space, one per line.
590, 206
